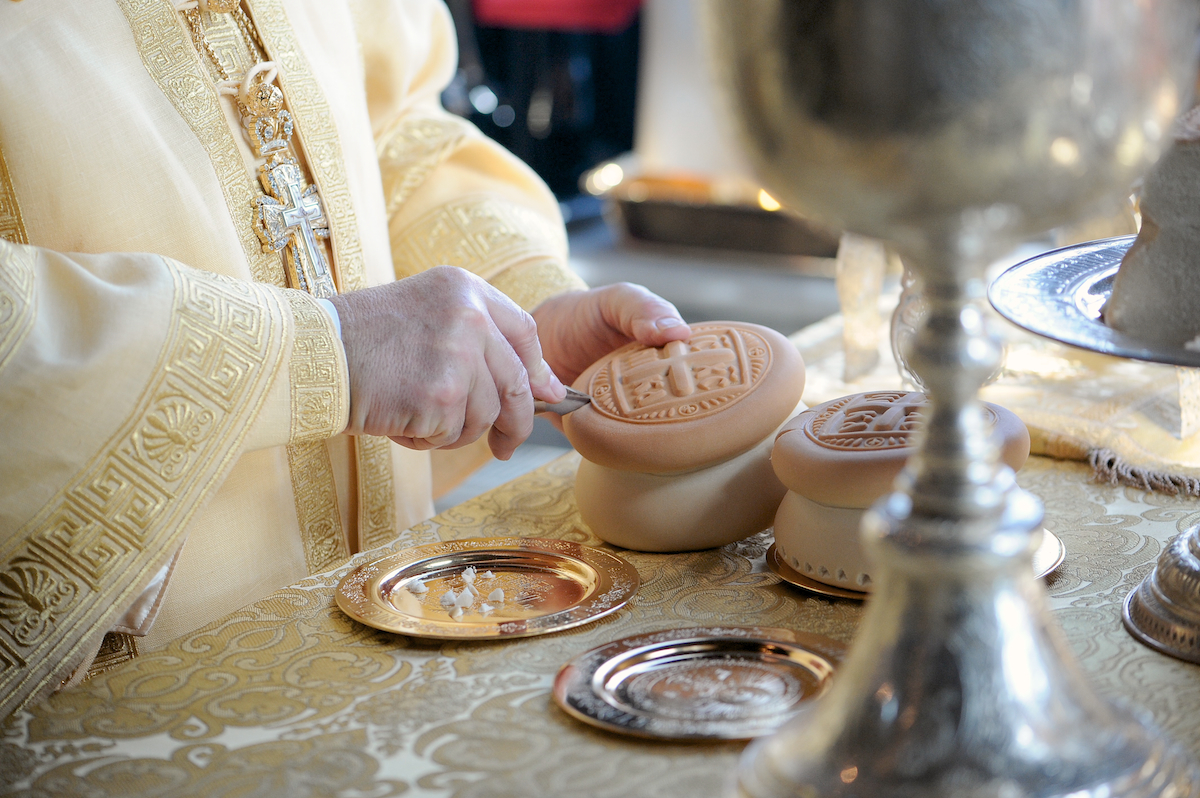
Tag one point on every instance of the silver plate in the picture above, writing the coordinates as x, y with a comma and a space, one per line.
704, 683
1059, 294
1049, 554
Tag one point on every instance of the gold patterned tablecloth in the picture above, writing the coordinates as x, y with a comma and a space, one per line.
290, 697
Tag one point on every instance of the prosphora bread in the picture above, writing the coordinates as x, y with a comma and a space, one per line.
1156, 293
838, 458
677, 439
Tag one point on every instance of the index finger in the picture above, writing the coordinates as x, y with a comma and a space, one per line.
520, 330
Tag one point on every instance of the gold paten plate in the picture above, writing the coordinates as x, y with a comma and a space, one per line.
1046, 559
703, 683
547, 586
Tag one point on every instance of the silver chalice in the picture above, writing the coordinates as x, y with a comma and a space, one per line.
952, 128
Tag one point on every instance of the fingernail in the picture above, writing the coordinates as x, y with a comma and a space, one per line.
668, 322
557, 389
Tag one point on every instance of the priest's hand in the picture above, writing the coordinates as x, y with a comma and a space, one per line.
438, 358
579, 327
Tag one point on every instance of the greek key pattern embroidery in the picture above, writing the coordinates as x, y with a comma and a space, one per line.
413, 149
319, 400
16, 298
317, 137
321, 532
72, 569
376, 492
12, 226
117, 648
479, 233
171, 60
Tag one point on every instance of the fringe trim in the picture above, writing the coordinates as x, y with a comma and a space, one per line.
1108, 466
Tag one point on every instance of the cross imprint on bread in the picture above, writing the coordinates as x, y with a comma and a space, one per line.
874, 420
681, 380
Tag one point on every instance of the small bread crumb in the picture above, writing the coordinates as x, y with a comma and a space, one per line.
465, 599
456, 613
449, 598
468, 574
417, 586
486, 608
496, 595
488, 575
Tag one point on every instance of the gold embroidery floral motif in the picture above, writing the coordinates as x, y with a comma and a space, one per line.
16, 298
12, 225
413, 149
479, 233
317, 511
376, 492
71, 570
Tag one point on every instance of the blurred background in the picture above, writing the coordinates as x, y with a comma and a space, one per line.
611, 102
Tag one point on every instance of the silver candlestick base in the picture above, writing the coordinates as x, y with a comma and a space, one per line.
1164, 611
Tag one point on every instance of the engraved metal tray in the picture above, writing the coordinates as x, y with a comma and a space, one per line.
703, 683
546, 585
1059, 295
1049, 555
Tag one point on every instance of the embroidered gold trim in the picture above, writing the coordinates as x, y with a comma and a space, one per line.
16, 298
318, 138
317, 408
12, 225
76, 566
376, 492
531, 283
321, 532
172, 61
116, 648
412, 150
319, 401
479, 233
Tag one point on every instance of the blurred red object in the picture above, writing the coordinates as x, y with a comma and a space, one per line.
592, 16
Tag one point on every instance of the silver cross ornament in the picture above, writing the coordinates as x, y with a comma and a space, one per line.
290, 219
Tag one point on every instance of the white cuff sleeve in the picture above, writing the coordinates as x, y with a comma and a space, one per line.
328, 307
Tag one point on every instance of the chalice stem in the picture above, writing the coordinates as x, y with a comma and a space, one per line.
959, 682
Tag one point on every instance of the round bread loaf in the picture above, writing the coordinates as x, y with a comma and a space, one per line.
689, 404
700, 509
848, 452
822, 542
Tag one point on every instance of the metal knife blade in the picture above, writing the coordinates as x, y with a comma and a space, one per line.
575, 400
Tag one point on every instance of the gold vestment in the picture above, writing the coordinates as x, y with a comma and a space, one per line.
158, 384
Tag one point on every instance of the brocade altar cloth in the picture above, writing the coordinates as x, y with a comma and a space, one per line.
290, 697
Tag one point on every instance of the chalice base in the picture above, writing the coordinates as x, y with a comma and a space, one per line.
960, 684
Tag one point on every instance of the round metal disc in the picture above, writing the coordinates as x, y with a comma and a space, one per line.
1059, 294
